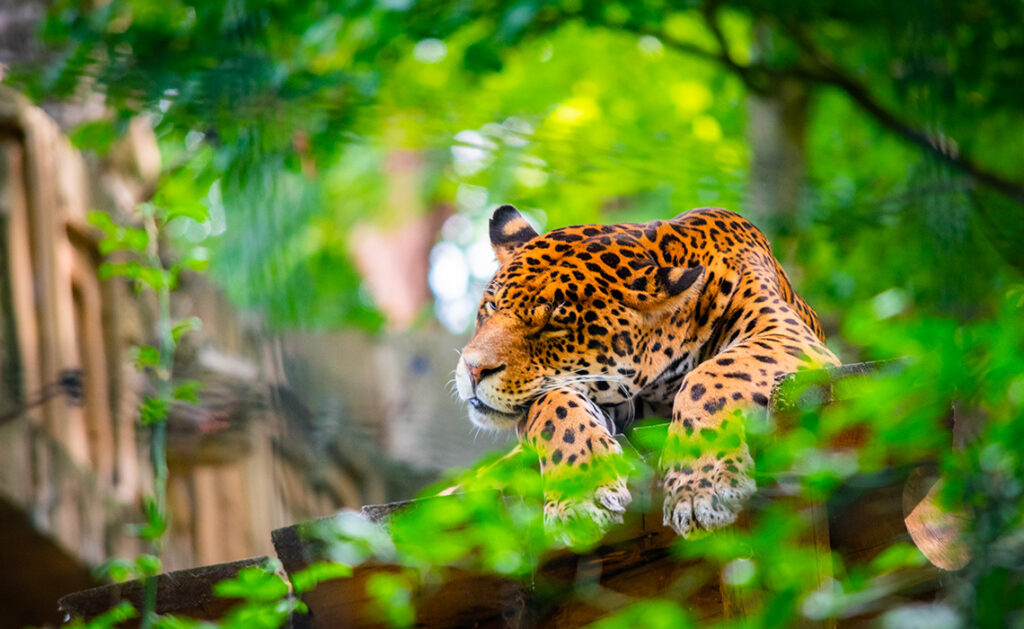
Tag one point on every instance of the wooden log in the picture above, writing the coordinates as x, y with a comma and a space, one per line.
186, 593
634, 560
461, 597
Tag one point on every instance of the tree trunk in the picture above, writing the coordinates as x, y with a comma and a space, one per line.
777, 132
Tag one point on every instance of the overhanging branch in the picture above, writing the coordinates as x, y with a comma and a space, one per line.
829, 73
757, 77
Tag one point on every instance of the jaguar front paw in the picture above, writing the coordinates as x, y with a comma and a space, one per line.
580, 520
708, 492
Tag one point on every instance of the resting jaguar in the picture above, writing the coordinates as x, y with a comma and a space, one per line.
585, 328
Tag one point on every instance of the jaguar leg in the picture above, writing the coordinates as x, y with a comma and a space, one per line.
706, 465
572, 439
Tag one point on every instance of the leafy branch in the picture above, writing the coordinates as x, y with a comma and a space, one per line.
140, 258
822, 70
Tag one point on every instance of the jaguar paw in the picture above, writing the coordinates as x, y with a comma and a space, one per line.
576, 521
707, 493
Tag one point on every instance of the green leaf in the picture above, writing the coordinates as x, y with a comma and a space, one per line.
97, 136
307, 579
649, 614
156, 522
188, 391
156, 279
899, 555
109, 619
392, 594
179, 196
195, 211
118, 237
197, 260
145, 356
253, 584
135, 239
103, 221
147, 565
117, 569
131, 270
153, 410
262, 615
183, 326
177, 622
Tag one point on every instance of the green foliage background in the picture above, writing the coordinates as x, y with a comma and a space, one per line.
276, 118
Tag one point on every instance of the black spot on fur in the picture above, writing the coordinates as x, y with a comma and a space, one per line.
697, 391
622, 344
715, 405
549, 430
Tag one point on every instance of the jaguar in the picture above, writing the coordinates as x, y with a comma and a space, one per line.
584, 329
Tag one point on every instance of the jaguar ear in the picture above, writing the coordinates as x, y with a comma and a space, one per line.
657, 288
509, 231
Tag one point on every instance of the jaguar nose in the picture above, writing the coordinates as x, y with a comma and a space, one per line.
478, 372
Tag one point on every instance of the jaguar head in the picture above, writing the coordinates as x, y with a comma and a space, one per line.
575, 308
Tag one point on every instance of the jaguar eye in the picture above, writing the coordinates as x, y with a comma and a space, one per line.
555, 321
489, 307
551, 330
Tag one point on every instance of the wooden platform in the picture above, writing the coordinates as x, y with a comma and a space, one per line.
635, 559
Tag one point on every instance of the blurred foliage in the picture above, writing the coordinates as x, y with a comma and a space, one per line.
139, 255
279, 118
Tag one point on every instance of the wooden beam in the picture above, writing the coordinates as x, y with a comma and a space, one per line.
635, 560
186, 593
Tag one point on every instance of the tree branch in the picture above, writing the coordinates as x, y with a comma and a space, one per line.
757, 77
709, 10
687, 48
946, 151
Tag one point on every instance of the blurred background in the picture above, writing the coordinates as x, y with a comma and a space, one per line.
327, 168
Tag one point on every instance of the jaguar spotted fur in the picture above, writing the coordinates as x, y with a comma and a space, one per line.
585, 328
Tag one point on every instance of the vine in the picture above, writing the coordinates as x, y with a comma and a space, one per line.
142, 255
137, 254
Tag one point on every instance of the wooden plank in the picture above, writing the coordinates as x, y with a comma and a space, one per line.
58, 346
21, 266
461, 597
88, 310
635, 560
186, 593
